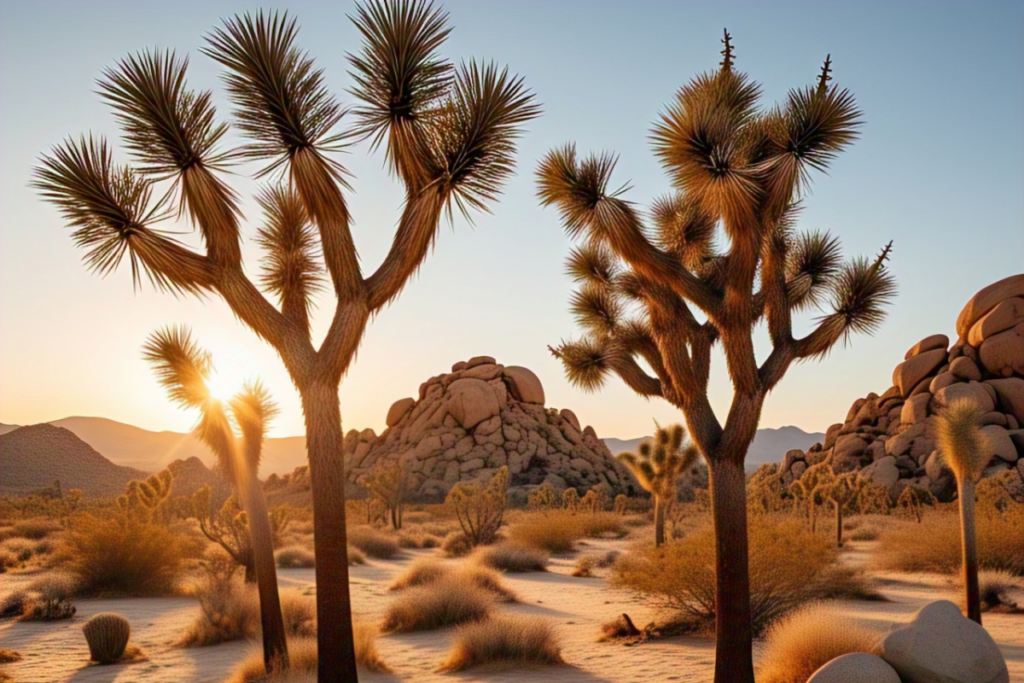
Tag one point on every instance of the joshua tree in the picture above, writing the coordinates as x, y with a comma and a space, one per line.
913, 499
842, 491
480, 508
183, 368
963, 447
145, 498
709, 263
448, 133
657, 467
389, 483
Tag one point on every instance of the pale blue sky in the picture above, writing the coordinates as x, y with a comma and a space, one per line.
939, 170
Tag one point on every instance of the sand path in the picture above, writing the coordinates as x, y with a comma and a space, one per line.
56, 651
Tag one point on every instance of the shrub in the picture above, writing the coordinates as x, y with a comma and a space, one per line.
788, 567
555, 532
526, 640
355, 556
124, 557
803, 641
510, 557
377, 545
994, 587
416, 517
486, 578
427, 571
35, 529
302, 654
421, 572
295, 557
600, 524
456, 544
480, 509
107, 635
446, 602
934, 544
584, 566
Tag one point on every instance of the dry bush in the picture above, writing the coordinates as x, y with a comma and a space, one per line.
800, 643
995, 587
374, 543
456, 544
421, 572
302, 655
866, 531
35, 529
511, 557
299, 613
8, 560
48, 598
416, 517
555, 531
602, 524
446, 602
506, 639
417, 539
933, 545
789, 566
355, 556
486, 578
295, 557
123, 557
608, 559
584, 566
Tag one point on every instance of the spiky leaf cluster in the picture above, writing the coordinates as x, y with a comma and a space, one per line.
718, 255
961, 442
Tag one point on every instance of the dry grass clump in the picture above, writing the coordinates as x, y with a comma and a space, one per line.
511, 557
456, 544
789, 566
427, 571
447, 602
296, 557
486, 578
602, 524
48, 598
355, 556
584, 567
127, 558
800, 643
421, 572
554, 531
418, 539
995, 587
416, 517
299, 613
933, 545
35, 529
374, 543
862, 528
506, 639
302, 655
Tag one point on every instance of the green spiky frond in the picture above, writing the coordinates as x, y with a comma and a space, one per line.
291, 260
181, 366
281, 102
166, 126
400, 88
960, 440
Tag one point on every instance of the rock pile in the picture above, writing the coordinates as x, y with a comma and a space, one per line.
890, 437
482, 416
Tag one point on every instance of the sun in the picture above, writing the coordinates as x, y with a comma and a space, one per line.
223, 385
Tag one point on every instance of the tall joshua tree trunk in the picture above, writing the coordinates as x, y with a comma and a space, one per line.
657, 293
449, 136
659, 522
970, 551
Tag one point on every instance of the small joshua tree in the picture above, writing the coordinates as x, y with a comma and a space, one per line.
480, 509
810, 489
913, 499
963, 448
842, 492
571, 499
542, 497
657, 465
183, 368
708, 264
388, 482
145, 500
765, 490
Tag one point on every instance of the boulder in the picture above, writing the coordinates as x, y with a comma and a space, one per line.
910, 372
1003, 354
524, 385
571, 418
1010, 394
479, 360
970, 391
798, 469
985, 300
966, 369
999, 443
791, 457
832, 434
883, 471
1017, 437
915, 409
943, 379
935, 341
940, 645
994, 418
855, 667
398, 410
471, 401
935, 467
1006, 314
849, 447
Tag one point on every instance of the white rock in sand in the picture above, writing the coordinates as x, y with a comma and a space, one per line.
855, 667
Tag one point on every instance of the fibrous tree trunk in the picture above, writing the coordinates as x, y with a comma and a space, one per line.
970, 550
659, 521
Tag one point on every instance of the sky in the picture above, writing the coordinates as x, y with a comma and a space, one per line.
939, 169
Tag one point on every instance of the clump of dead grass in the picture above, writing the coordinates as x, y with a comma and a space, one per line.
584, 567
428, 570
421, 572
302, 655
801, 642
295, 557
506, 639
111, 556
557, 531
374, 543
456, 544
446, 602
995, 587
512, 557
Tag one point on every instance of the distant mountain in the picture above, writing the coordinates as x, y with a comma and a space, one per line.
34, 457
7, 428
769, 444
132, 446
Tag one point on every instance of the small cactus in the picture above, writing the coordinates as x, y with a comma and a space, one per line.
107, 634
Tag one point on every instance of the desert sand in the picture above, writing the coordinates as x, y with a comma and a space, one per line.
56, 651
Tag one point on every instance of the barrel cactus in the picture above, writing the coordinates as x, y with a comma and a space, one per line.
107, 634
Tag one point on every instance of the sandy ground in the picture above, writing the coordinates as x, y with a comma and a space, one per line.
57, 651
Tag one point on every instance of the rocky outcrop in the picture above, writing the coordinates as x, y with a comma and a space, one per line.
466, 424
890, 437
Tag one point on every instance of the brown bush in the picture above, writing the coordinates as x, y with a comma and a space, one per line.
801, 642
427, 571
788, 567
995, 587
506, 639
555, 531
355, 556
511, 557
584, 567
446, 602
456, 544
35, 529
933, 545
123, 557
302, 654
295, 557
374, 543
421, 572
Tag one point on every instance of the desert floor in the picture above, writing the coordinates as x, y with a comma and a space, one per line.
56, 651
